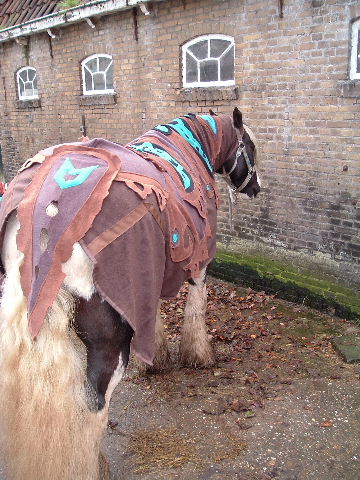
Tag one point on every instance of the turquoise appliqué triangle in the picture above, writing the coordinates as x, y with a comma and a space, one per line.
67, 169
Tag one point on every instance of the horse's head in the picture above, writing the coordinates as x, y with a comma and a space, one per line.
239, 169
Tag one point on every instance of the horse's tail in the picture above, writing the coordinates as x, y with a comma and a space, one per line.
47, 429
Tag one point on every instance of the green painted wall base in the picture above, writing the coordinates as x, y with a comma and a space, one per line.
290, 283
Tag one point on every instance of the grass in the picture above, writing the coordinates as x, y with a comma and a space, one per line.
66, 4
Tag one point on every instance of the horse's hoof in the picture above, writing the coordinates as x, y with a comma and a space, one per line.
196, 364
195, 360
161, 363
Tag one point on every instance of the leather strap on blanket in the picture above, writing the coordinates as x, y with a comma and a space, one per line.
122, 226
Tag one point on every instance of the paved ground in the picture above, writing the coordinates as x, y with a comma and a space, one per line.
310, 432
279, 404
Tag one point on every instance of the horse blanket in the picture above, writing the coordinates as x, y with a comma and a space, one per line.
144, 213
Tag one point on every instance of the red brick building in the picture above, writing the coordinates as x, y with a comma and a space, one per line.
115, 68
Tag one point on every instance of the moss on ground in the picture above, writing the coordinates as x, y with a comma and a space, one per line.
287, 282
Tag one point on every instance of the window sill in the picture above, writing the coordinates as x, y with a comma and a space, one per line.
105, 99
28, 104
349, 88
208, 94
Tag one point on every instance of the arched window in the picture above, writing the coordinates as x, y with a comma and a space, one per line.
208, 61
27, 83
355, 51
97, 74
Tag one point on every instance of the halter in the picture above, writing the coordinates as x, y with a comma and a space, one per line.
241, 150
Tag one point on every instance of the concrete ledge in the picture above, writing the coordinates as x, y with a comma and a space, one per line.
348, 347
336, 268
109, 99
285, 281
208, 94
28, 104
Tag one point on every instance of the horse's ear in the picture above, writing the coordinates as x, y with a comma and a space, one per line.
237, 117
212, 113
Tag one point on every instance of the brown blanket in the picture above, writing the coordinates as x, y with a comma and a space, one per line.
145, 214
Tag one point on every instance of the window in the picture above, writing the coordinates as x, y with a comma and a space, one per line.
355, 51
27, 83
97, 75
208, 61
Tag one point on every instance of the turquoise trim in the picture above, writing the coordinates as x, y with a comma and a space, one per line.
163, 128
210, 120
181, 127
80, 174
160, 152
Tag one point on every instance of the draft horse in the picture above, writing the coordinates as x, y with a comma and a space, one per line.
92, 235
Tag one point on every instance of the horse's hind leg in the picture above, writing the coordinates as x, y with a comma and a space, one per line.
162, 356
195, 348
107, 339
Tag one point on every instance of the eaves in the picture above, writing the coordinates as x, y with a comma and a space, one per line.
81, 13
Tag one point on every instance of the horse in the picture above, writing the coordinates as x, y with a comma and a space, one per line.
93, 235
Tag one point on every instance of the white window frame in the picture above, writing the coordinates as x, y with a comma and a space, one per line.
19, 79
83, 67
355, 52
217, 83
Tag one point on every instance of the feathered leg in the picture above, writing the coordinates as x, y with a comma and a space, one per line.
195, 348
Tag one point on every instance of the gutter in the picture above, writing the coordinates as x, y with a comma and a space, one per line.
73, 15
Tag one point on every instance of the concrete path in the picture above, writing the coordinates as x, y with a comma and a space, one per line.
279, 404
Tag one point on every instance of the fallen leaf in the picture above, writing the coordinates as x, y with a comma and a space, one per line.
326, 424
113, 423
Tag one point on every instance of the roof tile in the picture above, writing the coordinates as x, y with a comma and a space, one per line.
14, 12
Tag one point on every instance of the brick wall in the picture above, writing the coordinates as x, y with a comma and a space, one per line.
290, 75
